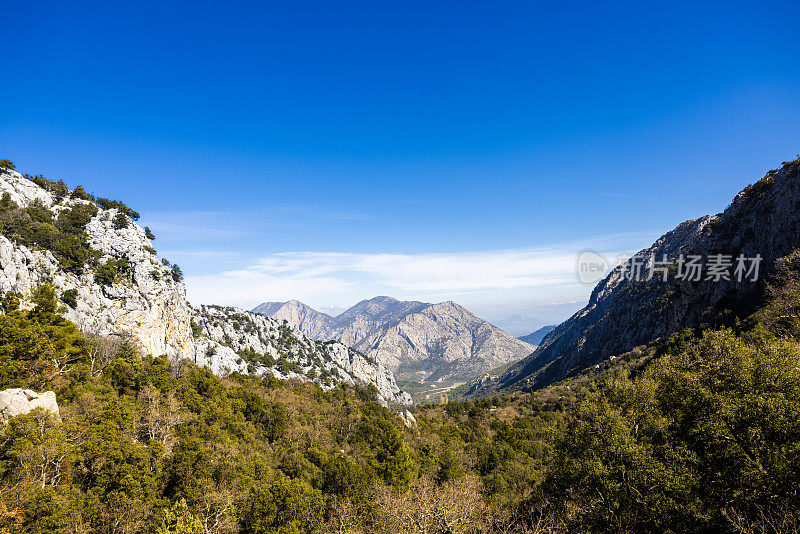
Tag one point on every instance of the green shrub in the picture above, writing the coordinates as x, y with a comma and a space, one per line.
65, 237
81, 194
111, 271
58, 189
70, 298
286, 505
39, 213
107, 204
197, 330
10, 301
179, 519
177, 274
120, 221
6, 204
6, 165
449, 466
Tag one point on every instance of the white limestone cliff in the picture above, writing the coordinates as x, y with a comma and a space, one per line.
148, 305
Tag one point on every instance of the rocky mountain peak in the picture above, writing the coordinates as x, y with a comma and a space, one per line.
421, 341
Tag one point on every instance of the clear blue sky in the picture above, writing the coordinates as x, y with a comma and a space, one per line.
407, 138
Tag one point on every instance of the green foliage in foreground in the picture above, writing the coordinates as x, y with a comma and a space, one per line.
701, 435
706, 438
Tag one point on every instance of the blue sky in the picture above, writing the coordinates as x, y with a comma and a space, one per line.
432, 150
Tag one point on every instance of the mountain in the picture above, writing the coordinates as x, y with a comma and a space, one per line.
627, 311
535, 338
231, 339
370, 316
530, 317
268, 308
519, 323
313, 323
112, 283
418, 340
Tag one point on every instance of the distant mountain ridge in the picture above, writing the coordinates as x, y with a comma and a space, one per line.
418, 340
308, 320
535, 338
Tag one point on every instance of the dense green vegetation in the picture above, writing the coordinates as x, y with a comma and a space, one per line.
698, 433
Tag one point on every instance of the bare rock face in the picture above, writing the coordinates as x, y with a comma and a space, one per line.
15, 401
414, 339
148, 305
408, 419
446, 333
623, 312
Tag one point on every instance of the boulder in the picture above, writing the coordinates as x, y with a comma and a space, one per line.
408, 418
16, 401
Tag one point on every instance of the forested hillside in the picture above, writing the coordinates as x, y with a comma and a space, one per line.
694, 432
700, 432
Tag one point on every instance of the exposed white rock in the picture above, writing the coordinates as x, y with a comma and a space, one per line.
408, 418
15, 401
149, 307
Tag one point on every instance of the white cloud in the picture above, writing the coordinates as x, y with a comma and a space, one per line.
341, 279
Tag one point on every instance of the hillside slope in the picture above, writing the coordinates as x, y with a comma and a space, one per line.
536, 337
624, 312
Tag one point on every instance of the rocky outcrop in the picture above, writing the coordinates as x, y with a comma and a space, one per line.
415, 339
148, 305
230, 339
477, 384
624, 312
408, 419
15, 401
